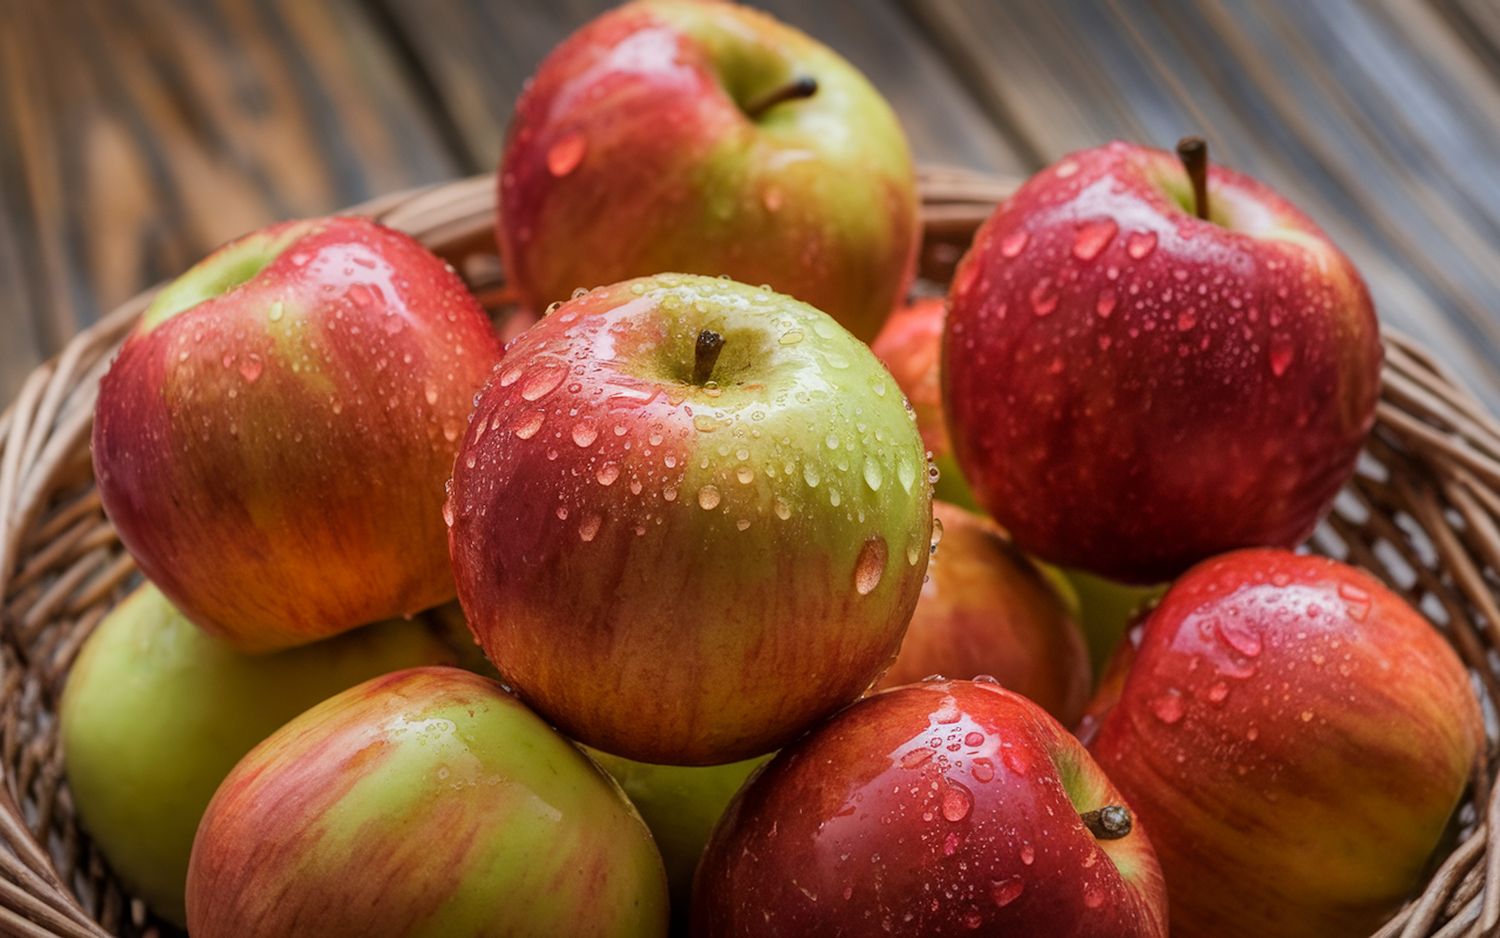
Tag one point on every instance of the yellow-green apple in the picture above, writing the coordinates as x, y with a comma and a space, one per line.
986, 609
910, 344
1131, 388
938, 808
156, 712
1296, 736
425, 802
680, 803
1106, 608
710, 138
272, 440
690, 518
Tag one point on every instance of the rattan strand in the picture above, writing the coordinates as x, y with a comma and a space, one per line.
1423, 513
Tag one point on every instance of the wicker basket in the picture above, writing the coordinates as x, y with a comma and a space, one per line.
1423, 513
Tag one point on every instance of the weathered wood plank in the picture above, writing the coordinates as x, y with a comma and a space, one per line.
135, 135
1378, 118
478, 54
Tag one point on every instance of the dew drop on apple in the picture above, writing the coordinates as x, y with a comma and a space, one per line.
810, 474
1094, 237
791, 337
1282, 351
543, 381
745, 475
1014, 243
585, 432
431, 393
957, 802
874, 477
527, 424
1044, 297
782, 509
1218, 692
1140, 244
1007, 891
448, 512
564, 156
276, 311
589, 527
1168, 707
1093, 896
869, 567
708, 497
250, 368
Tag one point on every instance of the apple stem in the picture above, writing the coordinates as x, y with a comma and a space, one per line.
705, 355
1110, 822
1193, 151
804, 87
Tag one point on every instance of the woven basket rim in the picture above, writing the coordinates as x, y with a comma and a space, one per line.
61, 567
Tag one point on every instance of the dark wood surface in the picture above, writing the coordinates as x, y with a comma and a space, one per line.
135, 135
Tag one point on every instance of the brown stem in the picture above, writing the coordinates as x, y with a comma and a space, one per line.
1194, 155
705, 355
804, 87
1110, 822
1193, 151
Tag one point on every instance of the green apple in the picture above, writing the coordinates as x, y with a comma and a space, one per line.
155, 713
689, 519
709, 138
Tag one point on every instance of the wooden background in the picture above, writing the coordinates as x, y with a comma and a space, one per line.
136, 135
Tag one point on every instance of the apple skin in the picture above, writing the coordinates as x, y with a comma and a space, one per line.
680, 803
156, 712
424, 802
1296, 737
1131, 389
273, 438
939, 808
910, 344
630, 152
681, 572
986, 609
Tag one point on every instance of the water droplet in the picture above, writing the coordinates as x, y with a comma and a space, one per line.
1140, 243
704, 423
589, 527
1240, 638
448, 512
974, 739
835, 497
1093, 896
431, 393
250, 368
1014, 243
745, 475
915, 757
1168, 707
276, 311
937, 534
873, 475
1357, 601
1007, 891
1218, 692
543, 381
742, 524
791, 337
527, 424
564, 156
1044, 297
1094, 237
1282, 351
810, 473
1106, 303
708, 497
956, 802
782, 509
585, 432
1187, 319
869, 567
608, 473
906, 473
772, 198
1028, 854
982, 769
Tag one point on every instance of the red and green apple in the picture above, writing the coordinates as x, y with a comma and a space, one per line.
272, 441
713, 139
690, 518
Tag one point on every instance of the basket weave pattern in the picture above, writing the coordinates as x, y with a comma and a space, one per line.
1423, 513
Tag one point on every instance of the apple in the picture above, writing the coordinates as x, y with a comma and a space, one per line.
986, 609
1296, 737
1106, 609
938, 808
1131, 388
713, 139
690, 518
156, 712
910, 345
424, 802
272, 440
680, 804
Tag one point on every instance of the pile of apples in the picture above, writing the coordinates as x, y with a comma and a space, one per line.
689, 519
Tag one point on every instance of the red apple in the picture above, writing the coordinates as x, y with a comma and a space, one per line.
1131, 388
986, 609
1296, 737
709, 138
941, 808
273, 438
911, 344
690, 518
425, 802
